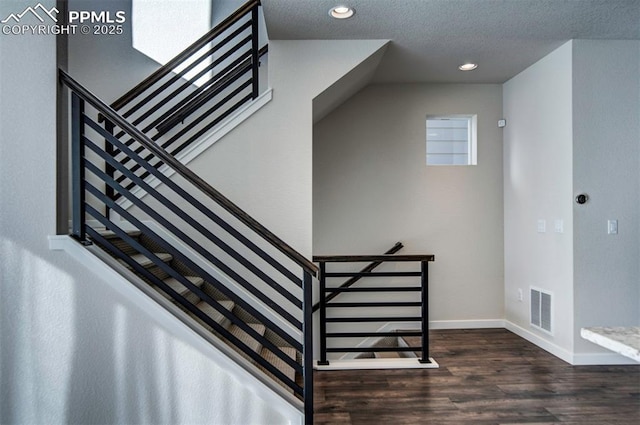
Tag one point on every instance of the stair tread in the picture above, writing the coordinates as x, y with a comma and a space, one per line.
276, 361
246, 338
387, 355
177, 286
109, 234
144, 261
279, 364
217, 316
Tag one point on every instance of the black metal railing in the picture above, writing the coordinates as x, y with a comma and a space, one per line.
363, 311
368, 268
194, 92
190, 211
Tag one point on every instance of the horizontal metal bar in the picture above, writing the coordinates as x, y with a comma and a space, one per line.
176, 137
196, 121
190, 106
371, 274
363, 258
193, 266
373, 319
369, 267
189, 175
188, 240
197, 204
182, 56
372, 349
381, 289
374, 334
217, 88
179, 298
209, 85
376, 304
191, 243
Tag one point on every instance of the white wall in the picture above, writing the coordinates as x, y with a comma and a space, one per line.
538, 185
606, 146
72, 349
372, 188
265, 164
94, 57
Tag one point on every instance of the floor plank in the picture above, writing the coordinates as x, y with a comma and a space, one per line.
486, 377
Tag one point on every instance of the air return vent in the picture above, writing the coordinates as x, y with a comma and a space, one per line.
541, 309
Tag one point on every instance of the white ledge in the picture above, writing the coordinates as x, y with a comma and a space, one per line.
362, 364
622, 340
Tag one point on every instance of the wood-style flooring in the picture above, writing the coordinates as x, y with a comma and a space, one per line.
486, 376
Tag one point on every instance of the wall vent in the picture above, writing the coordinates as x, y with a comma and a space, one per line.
541, 309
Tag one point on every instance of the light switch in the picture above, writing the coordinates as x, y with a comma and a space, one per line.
559, 225
542, 226
612, 227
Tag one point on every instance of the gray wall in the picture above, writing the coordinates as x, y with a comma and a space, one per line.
264, 165
573, 127
72, 350
538, 185
92, 57
606, 145
371, 188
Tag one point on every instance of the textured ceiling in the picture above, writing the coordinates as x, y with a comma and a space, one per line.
430, 38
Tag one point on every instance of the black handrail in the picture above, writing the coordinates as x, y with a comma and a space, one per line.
333, 291
189, 175
395, 248
364, 258
190, 95
92, 145
194, 47
193, 104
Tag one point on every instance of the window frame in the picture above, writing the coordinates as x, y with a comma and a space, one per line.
472, 138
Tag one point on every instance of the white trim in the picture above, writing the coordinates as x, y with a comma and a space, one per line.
229, 283
546, 345
367, 364
601, 359
467, 324
195, 149
164, 312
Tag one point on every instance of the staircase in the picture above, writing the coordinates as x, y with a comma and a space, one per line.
224, 271
132, 198
230, 274
232, 323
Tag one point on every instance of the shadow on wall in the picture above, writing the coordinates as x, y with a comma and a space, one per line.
75, 351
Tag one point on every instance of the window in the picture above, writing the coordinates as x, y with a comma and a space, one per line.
451, 140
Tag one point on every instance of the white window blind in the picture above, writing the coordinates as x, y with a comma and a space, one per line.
451, 140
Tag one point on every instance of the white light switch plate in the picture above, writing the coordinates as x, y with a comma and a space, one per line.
542, 226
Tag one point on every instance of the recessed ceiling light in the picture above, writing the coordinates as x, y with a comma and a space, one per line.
468, 66
341, 12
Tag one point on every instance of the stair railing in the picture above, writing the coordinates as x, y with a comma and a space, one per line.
352, 281
195, 91
191, 211
356, 306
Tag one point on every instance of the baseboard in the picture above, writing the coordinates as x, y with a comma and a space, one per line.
546, 345
467, 324
601, 359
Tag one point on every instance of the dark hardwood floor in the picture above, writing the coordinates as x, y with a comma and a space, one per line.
486, 376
